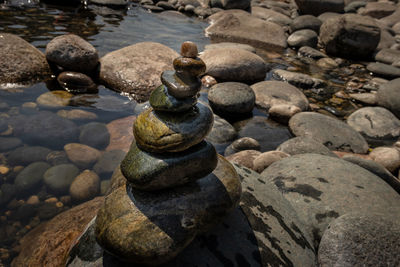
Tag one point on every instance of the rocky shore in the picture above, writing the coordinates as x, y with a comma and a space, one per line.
305, 99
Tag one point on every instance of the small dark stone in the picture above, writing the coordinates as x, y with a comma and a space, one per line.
95, 134
76, 82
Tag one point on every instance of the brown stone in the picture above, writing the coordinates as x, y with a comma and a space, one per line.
121, 134
244, 158
189, 49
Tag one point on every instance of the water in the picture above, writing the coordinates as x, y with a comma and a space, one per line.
108, 30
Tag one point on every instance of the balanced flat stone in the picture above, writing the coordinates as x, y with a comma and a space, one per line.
162, 132
189, 66
180, 86
145, 227
161, 100
149, 171
333, 133
322, 188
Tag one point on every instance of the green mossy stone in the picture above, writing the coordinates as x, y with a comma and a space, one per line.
149, 171
153, 227
180, 86
166, 132
161, 100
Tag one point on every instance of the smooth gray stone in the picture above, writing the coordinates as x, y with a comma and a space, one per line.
95, 134
333, 133
376, 169
361, 239
9, 143
161, 100
303, 37
303, 145
108, 162
322, 188
306, 22
28, 154
59, 178
384, 70
178, 86
388, 96
31, 176
150, 171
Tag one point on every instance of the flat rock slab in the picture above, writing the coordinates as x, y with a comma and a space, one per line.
263, 231
322, 188
334, 134
20, 61
136, 69
356, 239
239, 26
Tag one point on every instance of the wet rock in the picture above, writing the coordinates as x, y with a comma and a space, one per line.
231, 98
298, 79
306, 22
27, 154
144, 216
95, 134
57, 158
153, 8
9, 143
268, 133
315, 7
45, 128
171, 133
307, 51
76, 82
108, 162
303, 145
71, 52
328, 15
240, 26
350, 36
262, 161
180, 86
384, 70
59, 178
82, 155
149, 172
136, 69
50, 241
121, 134
244, 143
376, 169
327, 64
54, 99
334, 134
389, 157
378, 125
7, 192
377, 9
230, 45
77, 115
366, 98
322, 188
304, 37
221, 131
231, 64
370, 239
244, 158
161, 100
31, 176
230, 4
270, 15
270, 93
85, 186
21, 62
388, 96
388, 56
248, 236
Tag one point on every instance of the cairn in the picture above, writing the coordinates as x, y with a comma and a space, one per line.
175, 186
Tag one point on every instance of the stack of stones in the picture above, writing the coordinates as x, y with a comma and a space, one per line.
174, 185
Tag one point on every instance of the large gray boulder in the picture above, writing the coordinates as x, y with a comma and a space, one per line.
322, 188
350, 36
388, 96
20, 61
361, 239
239, 26
136, 69
333, 133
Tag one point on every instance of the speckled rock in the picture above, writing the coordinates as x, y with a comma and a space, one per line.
21, 62
231, 98
239, 26
389, 157
138, 221
303, 145
82, 155
322, 188
270, 93
72, 53
388, 96
136, 69
161, 132
334, 134
369, 239
378, 125
85, 186
231, 64
148, 171
59, 178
